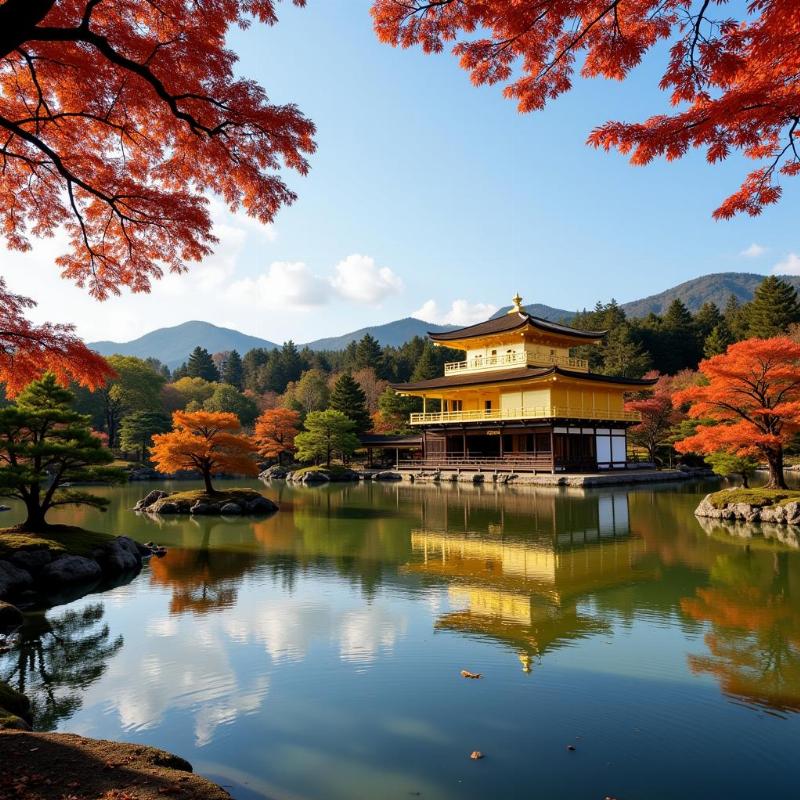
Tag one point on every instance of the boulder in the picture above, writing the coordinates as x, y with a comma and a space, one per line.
149, 499
261, 505
10, 616
231, 509
792, 513
70, 569
387, 475
167, 508
31, 560
118, 556
315, 476
13, 579
201, 508
275, 472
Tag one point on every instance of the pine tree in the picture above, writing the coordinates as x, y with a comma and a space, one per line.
426, 366
45, 445
774, 308
735, 315
718, 341
233, 372
706, 319
201, 365
349, 398
623, 356
368, 354
683, 347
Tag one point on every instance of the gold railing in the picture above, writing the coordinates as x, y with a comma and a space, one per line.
537, 412
481, 363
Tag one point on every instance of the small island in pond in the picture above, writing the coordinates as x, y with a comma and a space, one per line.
780, 506
230, 502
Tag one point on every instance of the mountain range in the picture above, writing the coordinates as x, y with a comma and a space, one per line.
173, 345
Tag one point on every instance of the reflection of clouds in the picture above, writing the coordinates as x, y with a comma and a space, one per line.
366, 631
192, 663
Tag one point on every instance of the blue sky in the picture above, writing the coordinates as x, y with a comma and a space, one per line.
426, 192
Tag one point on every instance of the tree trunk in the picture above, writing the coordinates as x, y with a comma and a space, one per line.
17, 20
775, 463
35, 520
207, 481
745, 481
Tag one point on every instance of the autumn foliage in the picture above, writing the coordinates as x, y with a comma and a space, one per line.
118, 120
275, 432
751, 402
732, 71
28, 350
206, 442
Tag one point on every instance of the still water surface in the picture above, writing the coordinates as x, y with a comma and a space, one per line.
316, 653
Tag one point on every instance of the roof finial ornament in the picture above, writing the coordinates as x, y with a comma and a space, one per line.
517, 308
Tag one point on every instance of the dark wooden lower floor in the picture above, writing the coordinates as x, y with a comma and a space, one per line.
563, 447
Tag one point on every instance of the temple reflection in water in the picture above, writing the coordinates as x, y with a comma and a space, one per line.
519, 579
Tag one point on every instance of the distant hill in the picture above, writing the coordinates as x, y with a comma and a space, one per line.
391, 334
173, 345
716, 288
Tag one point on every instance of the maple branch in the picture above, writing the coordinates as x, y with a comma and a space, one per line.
17, 19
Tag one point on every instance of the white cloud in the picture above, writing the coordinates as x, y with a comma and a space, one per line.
285, 284
461, 312
788, 266
359, 279
754, 251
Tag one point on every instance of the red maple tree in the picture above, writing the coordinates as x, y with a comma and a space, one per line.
751, 402
275, 431
117, 121
732, 70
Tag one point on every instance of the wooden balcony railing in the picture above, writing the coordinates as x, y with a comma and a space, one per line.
538, 412
513, 462
484, 363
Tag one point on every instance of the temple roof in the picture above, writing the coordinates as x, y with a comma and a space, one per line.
514, 320
506, 375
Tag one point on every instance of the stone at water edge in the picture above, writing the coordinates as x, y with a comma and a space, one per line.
33, 560
10, 616
149, 499
232, 509
70, 569
13, 579
201, 508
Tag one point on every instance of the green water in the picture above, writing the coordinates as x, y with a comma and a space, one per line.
316, 653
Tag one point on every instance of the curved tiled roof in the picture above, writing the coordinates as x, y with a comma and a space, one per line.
505, 375
512, 322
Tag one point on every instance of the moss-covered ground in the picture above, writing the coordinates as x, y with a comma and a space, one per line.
228, 495
754, 497
57, 538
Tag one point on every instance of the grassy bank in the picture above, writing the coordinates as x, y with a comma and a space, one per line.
224, 496
62, 539
758, 498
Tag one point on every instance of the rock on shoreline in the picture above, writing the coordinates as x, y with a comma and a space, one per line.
779, 513
44, 571
234, 502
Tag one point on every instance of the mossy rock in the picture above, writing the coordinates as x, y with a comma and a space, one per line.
758, 498
15, 709
200, 502
58, 539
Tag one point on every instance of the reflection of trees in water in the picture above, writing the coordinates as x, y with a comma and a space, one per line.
58, 658
754, 640
202, 578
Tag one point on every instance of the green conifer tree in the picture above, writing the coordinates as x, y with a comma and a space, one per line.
735, 316
774, 308
348, 398
201, 365
368, 353
233, 372
426, 366
718, 341
706, 319
623, 356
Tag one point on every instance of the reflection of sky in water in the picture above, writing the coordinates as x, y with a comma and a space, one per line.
317, 654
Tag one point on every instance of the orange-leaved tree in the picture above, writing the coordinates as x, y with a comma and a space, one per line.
208, 442
28, 350
275, 432
732, 70
750, 404
117, 120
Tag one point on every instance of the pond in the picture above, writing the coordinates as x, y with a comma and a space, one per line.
317, 653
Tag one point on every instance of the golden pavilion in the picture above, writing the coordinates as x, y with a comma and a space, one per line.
521, 400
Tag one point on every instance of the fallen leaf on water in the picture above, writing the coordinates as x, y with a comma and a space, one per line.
465, 673
475, 755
